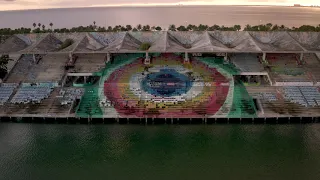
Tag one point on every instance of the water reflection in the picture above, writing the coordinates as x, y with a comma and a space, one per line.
157, 152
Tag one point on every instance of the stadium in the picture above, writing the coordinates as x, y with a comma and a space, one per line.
182, 77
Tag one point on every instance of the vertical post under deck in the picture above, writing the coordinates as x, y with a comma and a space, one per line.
34, 58
186, 57
147, 59
301, 56
108, 57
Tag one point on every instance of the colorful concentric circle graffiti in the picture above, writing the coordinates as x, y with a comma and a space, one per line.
167, 88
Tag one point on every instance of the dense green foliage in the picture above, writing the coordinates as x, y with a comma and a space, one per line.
41, 28
4, 59
66, 43
145, 46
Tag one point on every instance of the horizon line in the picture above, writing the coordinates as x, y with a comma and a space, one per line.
147, 6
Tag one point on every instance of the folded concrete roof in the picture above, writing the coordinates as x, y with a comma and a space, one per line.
310, 41
165, 41
275, 41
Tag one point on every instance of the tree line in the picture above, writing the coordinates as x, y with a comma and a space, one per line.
41, 28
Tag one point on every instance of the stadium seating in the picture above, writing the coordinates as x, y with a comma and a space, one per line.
32, 93
266, 96
6, 90
247, 62
311, 95
69, 95
89, 104
293, 94
90, 101
305, 96
243, 105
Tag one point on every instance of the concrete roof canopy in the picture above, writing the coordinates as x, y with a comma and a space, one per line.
308, 40
76, 37
235, 41
155, 39
275, 41
20, 43
164, 41
190, 41
130, 43
100, 42
52, 43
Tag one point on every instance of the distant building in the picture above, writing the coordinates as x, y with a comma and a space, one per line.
297, 5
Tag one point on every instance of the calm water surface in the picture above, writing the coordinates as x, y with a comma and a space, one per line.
38, 151
163, 16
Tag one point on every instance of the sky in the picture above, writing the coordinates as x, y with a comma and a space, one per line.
44, 4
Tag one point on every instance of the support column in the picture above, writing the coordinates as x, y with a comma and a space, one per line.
301, 57
70, 56
108, 57
186, 57
226, 57
259, 79
147, 59
34, 58
264, 56
85, 79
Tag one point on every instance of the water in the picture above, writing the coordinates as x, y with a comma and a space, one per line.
39, 151
163, 16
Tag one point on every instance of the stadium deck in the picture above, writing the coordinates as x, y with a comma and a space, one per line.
211, 76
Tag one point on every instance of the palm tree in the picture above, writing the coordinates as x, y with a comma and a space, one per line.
146, 28
237, 27
139, 27
39, 24
129, 28
247, 28
43, 27
182, 28
275, 28
109, 29
34, 25
51, 24
172, 27
94, 25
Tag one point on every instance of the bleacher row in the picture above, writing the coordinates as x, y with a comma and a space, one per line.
247, 62
305, 96
26, 92
266, 96
32, 93
69, 95
6, 91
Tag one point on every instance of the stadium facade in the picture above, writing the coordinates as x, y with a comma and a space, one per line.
204, 76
